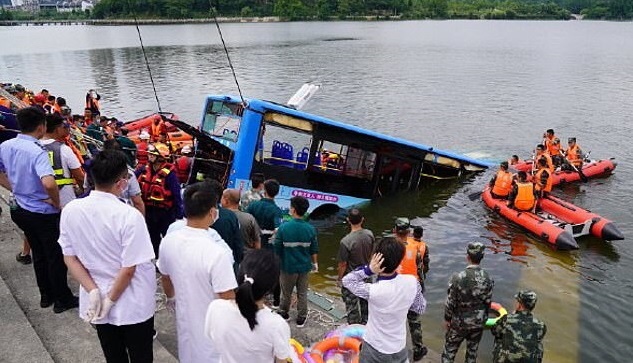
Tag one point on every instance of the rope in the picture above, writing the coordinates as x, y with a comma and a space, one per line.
226, 51
149, 70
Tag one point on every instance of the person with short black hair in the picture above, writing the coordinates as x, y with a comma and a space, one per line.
268, 216
519, 335
227, 225
297, 247
389, 299
108, 251
195, 271
501, 184
354, 251
523, 196
26, 171
467, 305
246, 330
254, 193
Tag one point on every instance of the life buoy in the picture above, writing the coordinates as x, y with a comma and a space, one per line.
344, 343
302, 355
499, 310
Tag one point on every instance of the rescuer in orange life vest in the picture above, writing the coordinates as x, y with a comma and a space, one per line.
160, 191
522, 197
501, 183
541, 152
415, 263
548, 140
542, 179
574, 154
141, 149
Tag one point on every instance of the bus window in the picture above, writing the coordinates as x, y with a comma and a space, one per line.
222, 119
284, 147
349, 160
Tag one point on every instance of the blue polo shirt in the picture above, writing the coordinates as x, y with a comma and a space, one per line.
25, 162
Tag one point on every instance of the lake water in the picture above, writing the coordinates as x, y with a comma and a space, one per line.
487, 88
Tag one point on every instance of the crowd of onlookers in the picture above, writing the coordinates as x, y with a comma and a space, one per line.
228, 261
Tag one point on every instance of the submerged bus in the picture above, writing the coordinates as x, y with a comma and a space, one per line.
332, 164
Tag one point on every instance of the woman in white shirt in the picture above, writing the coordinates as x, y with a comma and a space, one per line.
245, 330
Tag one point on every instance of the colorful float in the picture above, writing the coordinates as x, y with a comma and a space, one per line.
175, 136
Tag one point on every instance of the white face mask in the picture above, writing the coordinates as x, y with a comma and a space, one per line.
122, 184
215, 215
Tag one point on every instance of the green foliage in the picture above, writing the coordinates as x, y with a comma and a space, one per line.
348, 9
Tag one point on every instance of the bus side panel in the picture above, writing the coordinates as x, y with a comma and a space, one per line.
244, 152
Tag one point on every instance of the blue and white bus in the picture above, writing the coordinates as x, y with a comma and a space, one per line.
331, 163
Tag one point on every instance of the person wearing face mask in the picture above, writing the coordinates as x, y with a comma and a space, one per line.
196, 271
108, 251
160, 191
26, 171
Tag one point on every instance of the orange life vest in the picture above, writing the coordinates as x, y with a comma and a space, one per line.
548, 143
537, 181
525, 196
183, 166
5, 103
572, 155
157, 130
550, 164
74, 148
141, 153
503, 183
154, 189
408, 265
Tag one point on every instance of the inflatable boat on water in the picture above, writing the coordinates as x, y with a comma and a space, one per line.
590, 169
557, 222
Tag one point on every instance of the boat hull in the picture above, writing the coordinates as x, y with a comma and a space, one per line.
593, 169
546, 231
600, 226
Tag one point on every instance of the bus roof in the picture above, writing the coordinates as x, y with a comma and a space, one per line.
263, 106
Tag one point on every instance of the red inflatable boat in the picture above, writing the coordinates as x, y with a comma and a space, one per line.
592, 169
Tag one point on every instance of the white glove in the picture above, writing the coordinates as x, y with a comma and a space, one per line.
315, 267
170, 304
106, 305
94, 307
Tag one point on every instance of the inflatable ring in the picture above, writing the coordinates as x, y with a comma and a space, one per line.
302, 353
499, 310
327, 344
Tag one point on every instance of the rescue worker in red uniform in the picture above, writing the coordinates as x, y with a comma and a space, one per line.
160, 192
522, 197
542, 179
183, 164
413, 263
141, 149
574, 154
501, 183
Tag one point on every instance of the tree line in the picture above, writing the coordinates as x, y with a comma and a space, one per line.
350, 9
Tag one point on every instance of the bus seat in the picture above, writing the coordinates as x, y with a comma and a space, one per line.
276, 153
287, 154
302, 158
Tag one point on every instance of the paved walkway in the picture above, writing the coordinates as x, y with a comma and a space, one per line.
32, 334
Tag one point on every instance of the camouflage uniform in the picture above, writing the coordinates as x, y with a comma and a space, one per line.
519, 336
249, 196
466, 309
357, 309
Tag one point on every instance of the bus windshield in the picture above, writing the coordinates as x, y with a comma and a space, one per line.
222, 119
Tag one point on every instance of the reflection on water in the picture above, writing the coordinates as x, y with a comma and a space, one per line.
484, 88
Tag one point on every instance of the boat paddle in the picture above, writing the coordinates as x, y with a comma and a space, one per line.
583, 177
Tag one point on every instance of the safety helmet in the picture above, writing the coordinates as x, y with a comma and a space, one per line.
39, 98
158, 149
186, 149
144, 135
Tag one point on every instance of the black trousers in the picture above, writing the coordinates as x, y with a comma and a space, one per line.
158, 221
42, 232
127, 343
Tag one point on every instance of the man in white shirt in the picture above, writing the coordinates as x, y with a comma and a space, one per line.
389, 300
107, 249
199, 269
65, 164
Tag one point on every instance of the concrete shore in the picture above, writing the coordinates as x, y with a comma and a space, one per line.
34, 334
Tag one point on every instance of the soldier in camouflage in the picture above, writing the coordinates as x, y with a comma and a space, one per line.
255, 193
519, 336
467, 305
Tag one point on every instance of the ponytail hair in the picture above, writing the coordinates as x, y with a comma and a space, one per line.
258, 275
